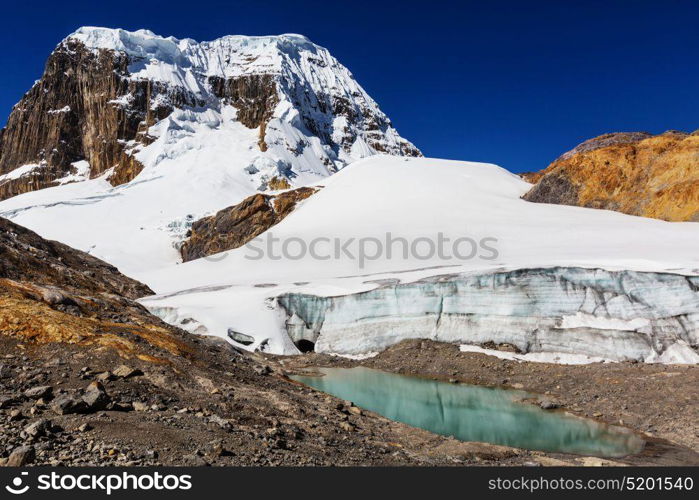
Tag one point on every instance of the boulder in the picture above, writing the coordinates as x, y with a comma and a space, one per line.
21, 456
124, 371
548, 404
240, 338
139, 406
40, 392
39, 428
96, 397
7, 401
67, 404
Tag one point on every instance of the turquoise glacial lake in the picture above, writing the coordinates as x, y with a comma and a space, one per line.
472, 413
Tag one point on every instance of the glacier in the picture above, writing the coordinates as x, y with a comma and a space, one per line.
569, 283
613, 315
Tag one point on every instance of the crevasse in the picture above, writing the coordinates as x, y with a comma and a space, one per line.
616, 315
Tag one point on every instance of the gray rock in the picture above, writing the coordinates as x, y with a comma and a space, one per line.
104, 376
39, 428
216, 449
96, 397
5, 371
241, 338
194, 460
140, 406
121, 406
354, 410
548, 404
124, 371
56, 297
16, 415
67, 404
20, 456
221, 422
263, 370
42, 391
7, 401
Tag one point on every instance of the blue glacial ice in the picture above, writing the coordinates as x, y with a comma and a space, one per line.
615, 315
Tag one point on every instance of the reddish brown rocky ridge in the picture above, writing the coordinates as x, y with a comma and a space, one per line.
234, 226
50, 292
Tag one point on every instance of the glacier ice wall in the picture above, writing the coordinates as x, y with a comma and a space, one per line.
616, 315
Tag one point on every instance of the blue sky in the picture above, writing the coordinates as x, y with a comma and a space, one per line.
513, 83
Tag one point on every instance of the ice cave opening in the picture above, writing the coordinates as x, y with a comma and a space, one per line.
305, 345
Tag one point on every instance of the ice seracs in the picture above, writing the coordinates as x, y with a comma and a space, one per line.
619, 316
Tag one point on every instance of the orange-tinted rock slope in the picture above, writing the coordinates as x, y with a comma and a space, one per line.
50, 292
635, 173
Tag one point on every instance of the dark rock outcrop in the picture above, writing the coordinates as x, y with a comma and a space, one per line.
234, 226
71, 114
255, 96
55, 267
635, 173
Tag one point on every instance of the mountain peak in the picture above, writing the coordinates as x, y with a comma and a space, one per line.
144, 42
274, 109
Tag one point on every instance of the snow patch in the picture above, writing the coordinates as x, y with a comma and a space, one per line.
417, 197
64, 109
80, 171
537, 357
20, 172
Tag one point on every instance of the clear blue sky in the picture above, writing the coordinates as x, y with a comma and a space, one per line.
513, 83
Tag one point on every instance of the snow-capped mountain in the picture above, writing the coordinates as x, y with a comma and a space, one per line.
129, 138
154, 133
258, 112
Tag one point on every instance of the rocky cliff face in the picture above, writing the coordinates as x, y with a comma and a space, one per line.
635, 173
70, 115
102, 90
234, 226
